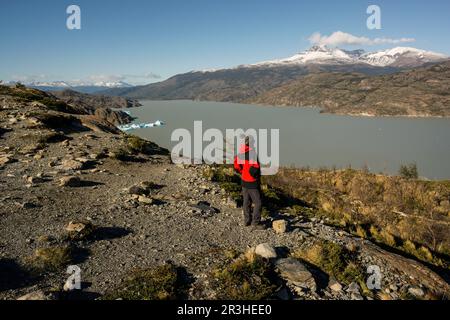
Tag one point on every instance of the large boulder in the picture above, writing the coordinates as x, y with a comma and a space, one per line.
265, 250
296, 273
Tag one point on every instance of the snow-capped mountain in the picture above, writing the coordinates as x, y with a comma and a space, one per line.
402, 57
80, 86
396, 57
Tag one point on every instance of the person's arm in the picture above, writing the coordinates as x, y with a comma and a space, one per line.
255, 170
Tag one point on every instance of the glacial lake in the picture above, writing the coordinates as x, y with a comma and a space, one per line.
309, 138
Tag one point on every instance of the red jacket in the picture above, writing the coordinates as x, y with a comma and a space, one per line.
247, 165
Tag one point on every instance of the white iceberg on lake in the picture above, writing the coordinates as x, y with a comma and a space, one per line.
136, 126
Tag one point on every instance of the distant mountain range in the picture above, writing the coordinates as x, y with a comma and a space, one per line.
396, 57
80, 86
245, 82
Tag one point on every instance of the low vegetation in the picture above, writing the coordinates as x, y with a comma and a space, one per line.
160, 283
409, 171
133, 146
32, 95
335, 260
405, 214
50, 259
249, 277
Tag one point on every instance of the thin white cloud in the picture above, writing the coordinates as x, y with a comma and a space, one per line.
29, 78
339, 38
149, 75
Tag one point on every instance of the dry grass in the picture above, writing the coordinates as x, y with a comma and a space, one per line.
159, 283
249, 277
51, 258
410, 215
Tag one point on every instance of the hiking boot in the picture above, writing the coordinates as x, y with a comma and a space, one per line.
247, 223
259, 226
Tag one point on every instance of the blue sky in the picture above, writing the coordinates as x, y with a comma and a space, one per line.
136, 39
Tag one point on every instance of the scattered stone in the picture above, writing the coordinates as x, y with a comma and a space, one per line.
393, 287
34, 180
80, 230
356, 296
416, 292
65, 143
75, 226
5, 160
36, 295
334, 285
205, 209
280, 226
265, 250
295, 273
70, 181
353, 288
145, 200
70, 164
137, 190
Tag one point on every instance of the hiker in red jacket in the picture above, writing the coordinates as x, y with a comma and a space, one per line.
247, 165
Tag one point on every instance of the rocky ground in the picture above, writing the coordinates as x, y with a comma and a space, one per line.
147, 211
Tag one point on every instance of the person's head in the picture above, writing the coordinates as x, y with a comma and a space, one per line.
249, 141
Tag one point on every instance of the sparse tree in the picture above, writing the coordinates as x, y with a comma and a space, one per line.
409, 171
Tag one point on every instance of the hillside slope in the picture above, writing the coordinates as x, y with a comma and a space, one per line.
421, 92
234, 85
73, 191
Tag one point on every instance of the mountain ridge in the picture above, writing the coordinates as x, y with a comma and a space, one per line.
244, 82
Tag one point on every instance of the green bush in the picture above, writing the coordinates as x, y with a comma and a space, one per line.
409, 171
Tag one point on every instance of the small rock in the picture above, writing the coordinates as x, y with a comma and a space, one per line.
265, 250
393, 287
137, 190
335, 285
353, 288
70, 181
5, 160
279, 226
36, 295
145, 200
356, 296
416, 291
34, 180
70, 164
75, 226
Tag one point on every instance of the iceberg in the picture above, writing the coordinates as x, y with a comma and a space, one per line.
136, 126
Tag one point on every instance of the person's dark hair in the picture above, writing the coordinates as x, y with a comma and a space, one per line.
249, 141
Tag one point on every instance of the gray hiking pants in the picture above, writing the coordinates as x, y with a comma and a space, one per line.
252, 196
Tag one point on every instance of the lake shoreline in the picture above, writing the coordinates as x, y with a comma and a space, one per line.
321, 111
